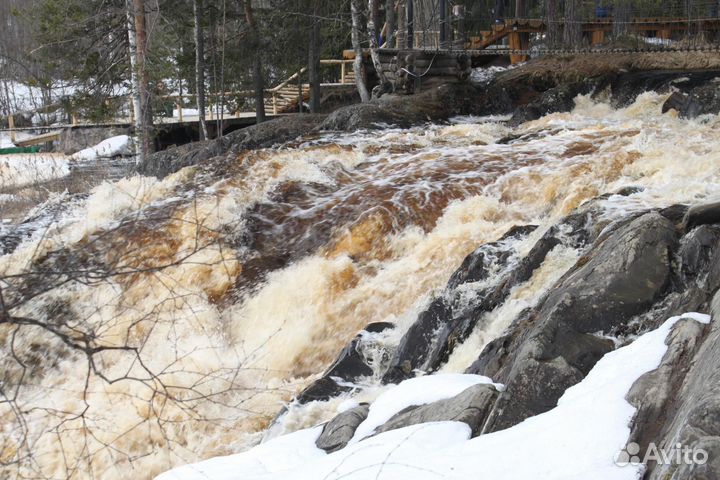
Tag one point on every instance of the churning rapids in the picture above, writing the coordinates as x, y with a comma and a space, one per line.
210, 298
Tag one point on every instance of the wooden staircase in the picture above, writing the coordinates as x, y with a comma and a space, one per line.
284, 97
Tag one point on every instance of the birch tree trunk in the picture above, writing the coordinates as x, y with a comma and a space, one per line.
258, 79
199, 69
356, 15
134, 80
144, 118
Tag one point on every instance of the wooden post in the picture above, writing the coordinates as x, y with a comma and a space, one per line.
74, 119
179, 104
11, 125
342, 72
518, 41
598, 37
274, 103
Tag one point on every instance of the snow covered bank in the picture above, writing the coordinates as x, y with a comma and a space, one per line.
110, 147
25, 169
578, 439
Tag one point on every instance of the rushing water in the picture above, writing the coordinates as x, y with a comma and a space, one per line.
221, 291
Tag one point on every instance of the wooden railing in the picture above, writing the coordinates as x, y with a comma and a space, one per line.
272, 99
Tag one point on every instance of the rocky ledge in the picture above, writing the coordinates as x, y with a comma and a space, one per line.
633, 274
526, 93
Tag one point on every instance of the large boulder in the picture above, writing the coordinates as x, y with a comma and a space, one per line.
264, 135
435, 104
449, 320
679, 403
625, 272
337, 432
470, 406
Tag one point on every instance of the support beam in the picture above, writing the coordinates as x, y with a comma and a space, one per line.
518, 41
598, 37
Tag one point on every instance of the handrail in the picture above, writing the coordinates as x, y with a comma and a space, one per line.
178, 97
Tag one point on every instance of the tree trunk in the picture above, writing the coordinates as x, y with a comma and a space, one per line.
572, 33
552, 22
390, 23
134, 80
199, 69
144, 118
314, 62
374, 9
372, 36
258, 79
355, 10
401, 25
621, 17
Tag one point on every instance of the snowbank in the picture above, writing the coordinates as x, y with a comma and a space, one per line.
26, 169
110, 147
579, 438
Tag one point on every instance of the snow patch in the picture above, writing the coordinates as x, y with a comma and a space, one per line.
20, 169
577, 439
415, 391
110, 147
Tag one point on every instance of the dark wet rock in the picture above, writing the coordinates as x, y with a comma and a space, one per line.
421, 343
324, 388
677, 101
471, 406
627, 191
447, 322
708, 213
626, 86
675, 213
405, 110
557, 99
351, 364
623, 275
698, 250
265, 135
337, 432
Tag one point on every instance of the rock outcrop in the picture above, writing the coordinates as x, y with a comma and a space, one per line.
634, 274
470, 406
339, 431
265, 135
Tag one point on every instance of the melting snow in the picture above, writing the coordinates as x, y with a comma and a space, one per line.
416, 391
25, 169
110, 147
577, 439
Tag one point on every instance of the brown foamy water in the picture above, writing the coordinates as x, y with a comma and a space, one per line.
219, 292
